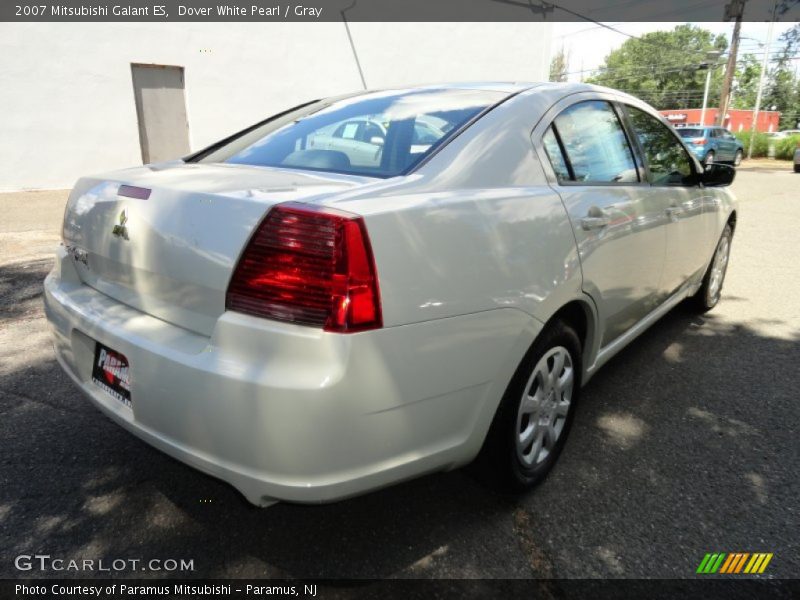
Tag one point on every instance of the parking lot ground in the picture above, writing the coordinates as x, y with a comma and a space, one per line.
685, 443
765, 164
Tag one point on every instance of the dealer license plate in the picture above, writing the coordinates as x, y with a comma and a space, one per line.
110, 371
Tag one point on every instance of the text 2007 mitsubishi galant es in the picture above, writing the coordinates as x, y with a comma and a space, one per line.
366, 288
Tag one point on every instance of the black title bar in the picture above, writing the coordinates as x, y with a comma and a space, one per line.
391, 10
709, 588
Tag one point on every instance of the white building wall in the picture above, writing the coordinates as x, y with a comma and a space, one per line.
66, 96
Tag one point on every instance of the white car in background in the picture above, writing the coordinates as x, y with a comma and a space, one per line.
361, 140
780, 135
307, 324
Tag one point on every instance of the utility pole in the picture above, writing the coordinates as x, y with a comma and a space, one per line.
711, 57
734, 10
762, 76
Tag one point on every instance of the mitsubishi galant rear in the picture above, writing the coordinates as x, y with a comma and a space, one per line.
371, 287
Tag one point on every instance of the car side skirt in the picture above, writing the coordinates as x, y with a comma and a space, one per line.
608, 351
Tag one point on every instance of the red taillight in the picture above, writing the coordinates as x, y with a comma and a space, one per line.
309, 265
700, 142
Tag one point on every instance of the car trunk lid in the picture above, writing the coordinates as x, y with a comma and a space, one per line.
165, 239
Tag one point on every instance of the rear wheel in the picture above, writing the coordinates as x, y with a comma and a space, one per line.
709, 158
535, 415
710, 291
737, 159
797, 168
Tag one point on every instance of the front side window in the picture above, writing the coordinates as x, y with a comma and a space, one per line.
668, 161
380, 134
595, 144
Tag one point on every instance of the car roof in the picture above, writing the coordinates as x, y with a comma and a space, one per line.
512, 87
509, 87
549, 88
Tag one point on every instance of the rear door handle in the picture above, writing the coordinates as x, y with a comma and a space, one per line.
673, 212
596, 219
589, 223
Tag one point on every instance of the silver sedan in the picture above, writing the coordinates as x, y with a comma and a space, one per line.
367, 288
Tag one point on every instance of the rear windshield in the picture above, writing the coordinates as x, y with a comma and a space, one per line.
689, 132
379, 134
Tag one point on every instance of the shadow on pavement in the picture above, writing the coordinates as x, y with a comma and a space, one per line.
694, 411
21, 288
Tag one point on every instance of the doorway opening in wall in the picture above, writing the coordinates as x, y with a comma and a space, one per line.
159, 93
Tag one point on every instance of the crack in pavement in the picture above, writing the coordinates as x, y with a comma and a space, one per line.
539, 562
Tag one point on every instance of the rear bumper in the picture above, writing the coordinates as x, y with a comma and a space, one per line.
284, 412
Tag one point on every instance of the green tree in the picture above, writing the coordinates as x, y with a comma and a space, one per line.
559, 66
781, 84
745, 83
665, 68
783, 91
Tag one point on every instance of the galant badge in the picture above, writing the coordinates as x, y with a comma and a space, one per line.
121, 230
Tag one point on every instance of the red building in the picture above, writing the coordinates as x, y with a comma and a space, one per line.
735, 120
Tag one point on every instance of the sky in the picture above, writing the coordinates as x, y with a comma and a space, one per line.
588, 43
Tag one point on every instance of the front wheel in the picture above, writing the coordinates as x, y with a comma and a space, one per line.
536, 412
710, 291
737, 159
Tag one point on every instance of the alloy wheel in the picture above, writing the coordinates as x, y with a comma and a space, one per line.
718, 268
544, 406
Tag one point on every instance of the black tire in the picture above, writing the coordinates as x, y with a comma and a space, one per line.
499, 463
708, 296
797, 168
709, 158
737, 158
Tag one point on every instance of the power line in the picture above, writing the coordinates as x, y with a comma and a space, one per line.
584, 17
659, 68
352, 44
592, 28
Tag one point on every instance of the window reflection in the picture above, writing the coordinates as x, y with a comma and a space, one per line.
668, 162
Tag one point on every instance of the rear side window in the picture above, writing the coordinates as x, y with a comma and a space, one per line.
348, 131
690, 132
668, 161
553, 149
595, 144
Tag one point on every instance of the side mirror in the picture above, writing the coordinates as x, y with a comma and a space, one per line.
376, 140
717, 175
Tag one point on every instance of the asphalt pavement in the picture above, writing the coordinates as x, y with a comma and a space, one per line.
685, 443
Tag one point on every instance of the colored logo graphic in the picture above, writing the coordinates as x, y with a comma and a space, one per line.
734, 562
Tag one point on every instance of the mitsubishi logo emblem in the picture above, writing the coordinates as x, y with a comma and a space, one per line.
121, 230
